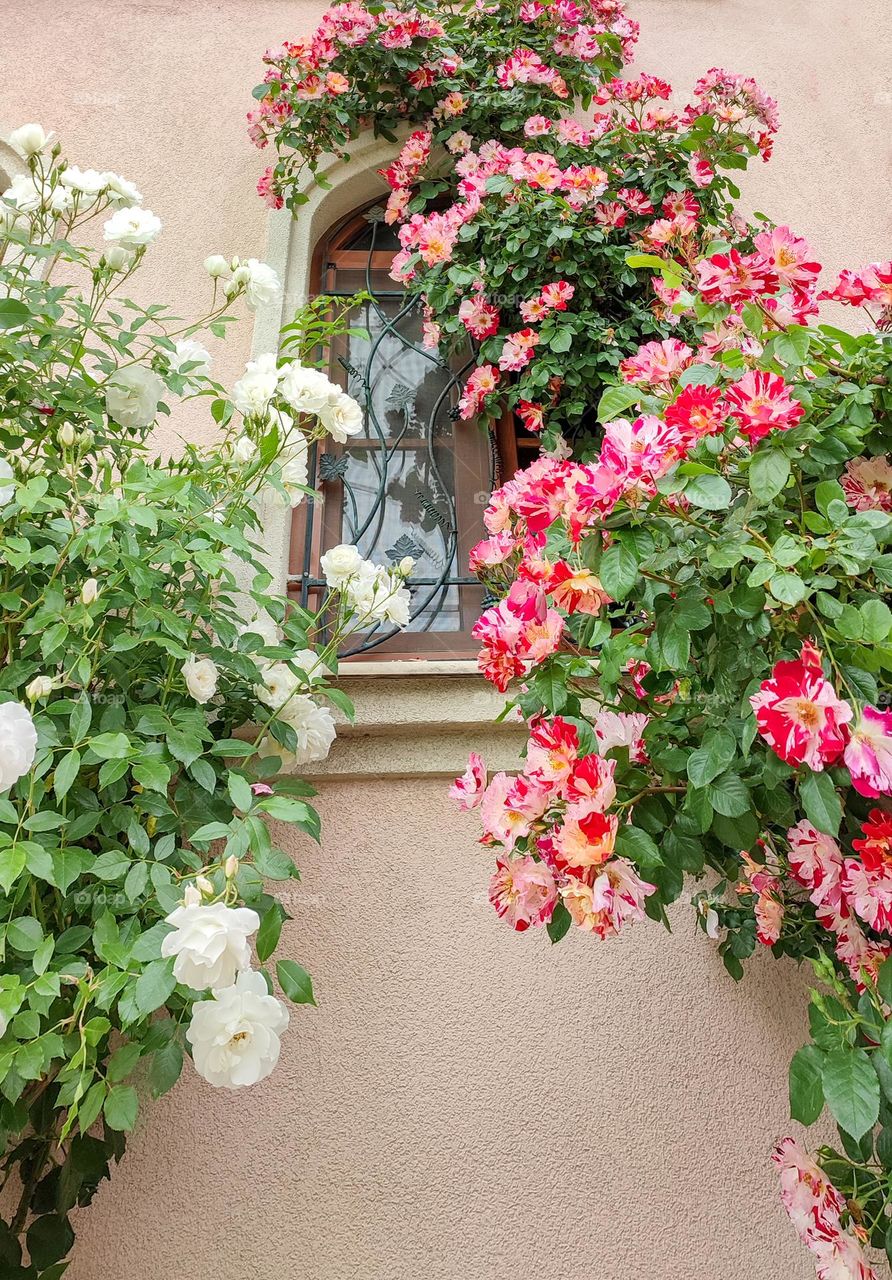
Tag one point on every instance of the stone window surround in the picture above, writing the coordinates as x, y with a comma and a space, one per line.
11, 164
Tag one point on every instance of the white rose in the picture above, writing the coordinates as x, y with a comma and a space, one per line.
89, 591
121, 190
18, 743
235, 1035
132, 396
200, 675
7, 482
210, 944
279, 684
88, 182
339, 564
294, 470
260, 282
23, 193
217, 267
244, 449
40, 687
61, 200
377, 595
363, 587
310, 664
314, 727
396, 606
28, 140
118, 258
265, 627
132, 227
257, 386
307, 390
343, 418
10, 218
189, 351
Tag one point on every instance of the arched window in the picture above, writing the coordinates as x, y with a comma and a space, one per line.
417, 481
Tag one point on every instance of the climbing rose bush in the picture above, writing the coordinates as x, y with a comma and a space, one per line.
689, 583
156, 694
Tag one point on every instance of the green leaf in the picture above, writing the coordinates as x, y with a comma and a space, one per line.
110, 746
153, 774
44, 820
148, 945
111, 865
210, 831
788, 588
884, 982
91, 1105
712, 493
121, 1107
24, 934
712, 758
729, 796
637, 845
50, 1238
828, 491
615, 399
68, 864
821, 802
769, 472
618, 571
270, 930
43, 955
877, 621
167, 1065
295, 982
13, 314
284, 809
136, 880
12, 864
66, 772
122, 1062
273, 864
154, 985
806, 1090
342, 702
550, 685
240, 791
559, 923
674, 644
851, 1090
793, 344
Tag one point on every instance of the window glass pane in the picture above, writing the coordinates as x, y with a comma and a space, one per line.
417, 481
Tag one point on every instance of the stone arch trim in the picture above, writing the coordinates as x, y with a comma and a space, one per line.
291, 241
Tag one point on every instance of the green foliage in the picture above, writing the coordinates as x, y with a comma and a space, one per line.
119, 571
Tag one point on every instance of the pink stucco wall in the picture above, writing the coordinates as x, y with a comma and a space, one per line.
465, 1104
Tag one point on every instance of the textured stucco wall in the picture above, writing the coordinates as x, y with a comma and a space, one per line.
465, 1104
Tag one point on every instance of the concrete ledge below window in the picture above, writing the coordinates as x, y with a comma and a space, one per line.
408, 667
419, 727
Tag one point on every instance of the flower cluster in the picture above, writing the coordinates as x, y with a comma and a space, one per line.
817, 1211
235, 1034
803, 719
155, 694
457, 69
688, 587
554, 833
